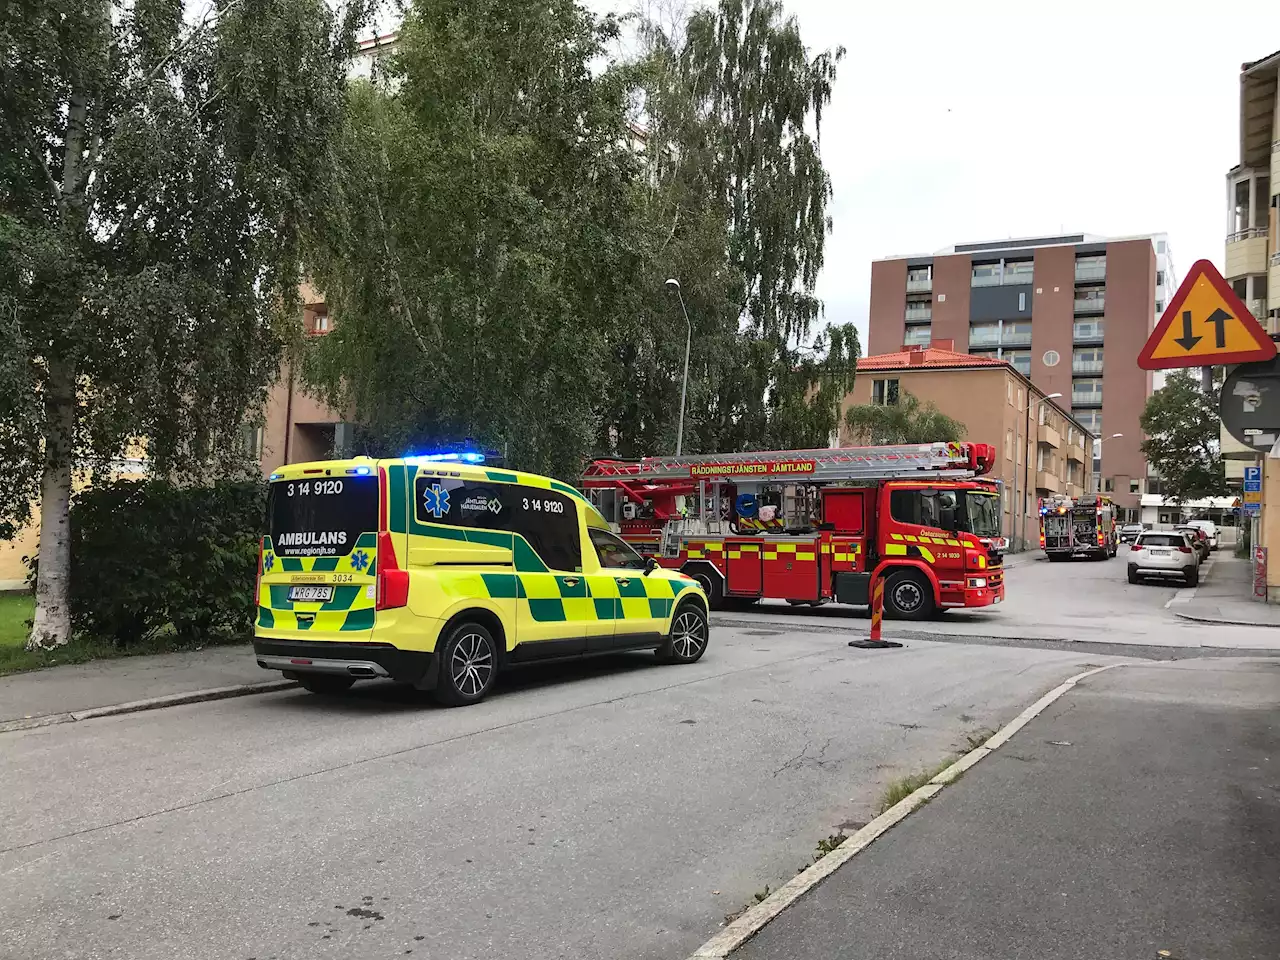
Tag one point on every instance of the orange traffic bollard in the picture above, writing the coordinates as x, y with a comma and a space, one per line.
877, 614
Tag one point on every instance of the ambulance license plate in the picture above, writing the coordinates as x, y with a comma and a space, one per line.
310, 594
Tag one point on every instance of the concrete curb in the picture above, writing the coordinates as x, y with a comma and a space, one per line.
1229, 623
758, 917
151, 703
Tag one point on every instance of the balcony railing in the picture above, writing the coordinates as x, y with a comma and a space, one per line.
1249, 233
1275, 259
985, 280
1091, 271
1087, 335
1086, 398
1016, 339
1090, 304
1257, 307
984, 339
921, 312
1086, 366
1012, 278
917, 337
919, 284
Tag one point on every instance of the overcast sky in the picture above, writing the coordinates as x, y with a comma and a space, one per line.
965, 122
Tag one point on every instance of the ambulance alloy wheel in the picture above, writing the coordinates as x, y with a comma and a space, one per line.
468, 665
907, 596
689, 633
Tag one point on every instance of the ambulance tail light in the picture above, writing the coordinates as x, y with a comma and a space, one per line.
393, 583
392, 588
257, 581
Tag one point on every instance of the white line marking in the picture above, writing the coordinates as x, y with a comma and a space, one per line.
754, 920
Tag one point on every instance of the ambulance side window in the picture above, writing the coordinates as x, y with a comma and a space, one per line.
549, 521
461, 503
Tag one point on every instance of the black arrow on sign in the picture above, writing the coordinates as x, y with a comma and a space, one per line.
1187, 341
1218, 318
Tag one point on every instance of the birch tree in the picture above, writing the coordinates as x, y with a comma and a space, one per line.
159, 163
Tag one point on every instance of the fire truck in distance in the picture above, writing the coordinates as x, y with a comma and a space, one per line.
815, 526
1083, 526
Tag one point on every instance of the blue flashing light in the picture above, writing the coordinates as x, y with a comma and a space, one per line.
362, 471
276, 476
450, 457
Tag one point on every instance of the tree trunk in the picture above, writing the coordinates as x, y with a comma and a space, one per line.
52, 623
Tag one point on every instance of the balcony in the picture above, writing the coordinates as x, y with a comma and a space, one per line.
981, 338
1016, 339
917, 336
1086, 367
1257, 308
919, 311
1090, 305
1049, 436
1090, 271
1246, 253
1086, 398
1048, 482
919, 284
1075, 453
985, 280
1085, 334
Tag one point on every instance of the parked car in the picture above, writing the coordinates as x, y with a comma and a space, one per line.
1199, 539
1129, 532
1210, 530
1164, 554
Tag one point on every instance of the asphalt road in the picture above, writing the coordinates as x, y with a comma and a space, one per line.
1080, 601
1140, 813
613, 808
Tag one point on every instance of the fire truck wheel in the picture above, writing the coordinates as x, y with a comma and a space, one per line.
687, 641
907, 596
711, 587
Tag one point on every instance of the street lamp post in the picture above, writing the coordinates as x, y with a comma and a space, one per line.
1021, 525
1098, 442
674, 284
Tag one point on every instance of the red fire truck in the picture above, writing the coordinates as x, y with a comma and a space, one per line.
1084, 526
815, 526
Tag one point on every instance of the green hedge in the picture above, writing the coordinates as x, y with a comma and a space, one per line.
148, 555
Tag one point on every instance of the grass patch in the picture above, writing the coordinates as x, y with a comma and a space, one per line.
15, 616
899, 790
15, 612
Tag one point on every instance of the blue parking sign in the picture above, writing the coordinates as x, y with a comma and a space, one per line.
1252, 474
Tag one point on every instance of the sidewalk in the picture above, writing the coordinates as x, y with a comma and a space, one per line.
74, 688
1226, 596
1139, 813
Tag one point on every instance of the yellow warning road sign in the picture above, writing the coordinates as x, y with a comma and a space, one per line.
1205, 325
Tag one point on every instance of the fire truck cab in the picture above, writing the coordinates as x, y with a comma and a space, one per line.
817, 526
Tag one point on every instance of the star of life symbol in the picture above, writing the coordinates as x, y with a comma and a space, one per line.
435, 500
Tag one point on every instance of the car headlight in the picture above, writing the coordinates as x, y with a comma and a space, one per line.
975, 582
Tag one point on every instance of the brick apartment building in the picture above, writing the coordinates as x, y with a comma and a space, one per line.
1068, 312
1042, 450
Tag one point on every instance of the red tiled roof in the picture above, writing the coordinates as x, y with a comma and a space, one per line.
932, 358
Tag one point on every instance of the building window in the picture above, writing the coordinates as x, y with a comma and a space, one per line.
1160, 246
1109, 485
1159, 306
1019, 396
984, 334
1022, 302
985, 275
1008, 392
884, 392
1086, 330
1135, 486
917, 336
1159, 278
1018, 271
1086, 360
1021, 360
1091, 268
1091, 420
1008, 444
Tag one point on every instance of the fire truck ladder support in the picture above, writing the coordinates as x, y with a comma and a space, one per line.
837, 463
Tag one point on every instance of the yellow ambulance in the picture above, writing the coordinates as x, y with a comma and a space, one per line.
439, 571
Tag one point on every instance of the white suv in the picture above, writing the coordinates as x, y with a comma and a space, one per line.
1164, 554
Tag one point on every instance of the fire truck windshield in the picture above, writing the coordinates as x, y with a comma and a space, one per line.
982, 513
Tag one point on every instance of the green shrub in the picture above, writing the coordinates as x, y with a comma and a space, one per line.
149, 555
